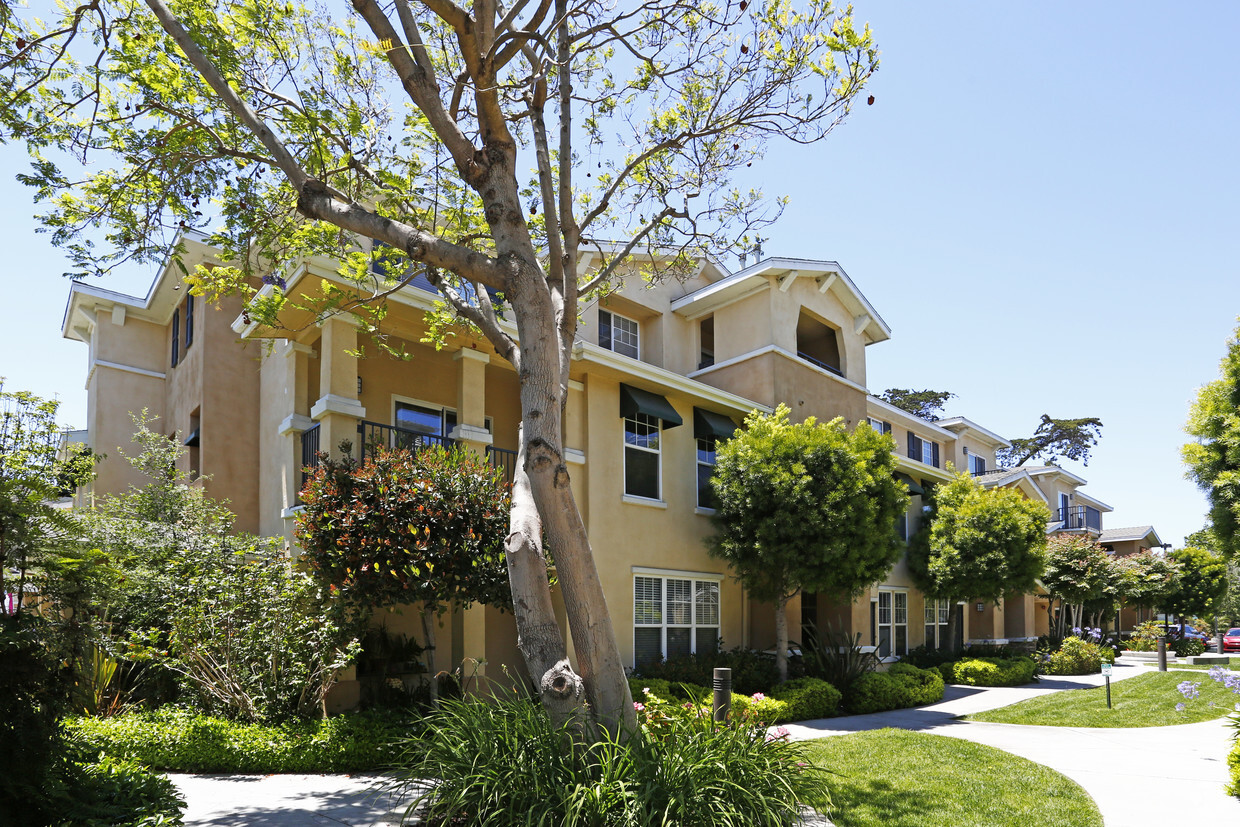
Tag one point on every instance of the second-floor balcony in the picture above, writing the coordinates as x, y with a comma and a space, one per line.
371, 436
1079, 518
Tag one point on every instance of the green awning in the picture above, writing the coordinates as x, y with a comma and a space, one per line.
913, 487
635, 400
708, 424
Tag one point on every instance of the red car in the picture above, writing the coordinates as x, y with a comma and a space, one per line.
1231, 640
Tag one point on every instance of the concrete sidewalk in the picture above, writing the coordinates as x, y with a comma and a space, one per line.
1156, 776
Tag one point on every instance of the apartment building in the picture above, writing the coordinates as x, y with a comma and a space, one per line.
660, 374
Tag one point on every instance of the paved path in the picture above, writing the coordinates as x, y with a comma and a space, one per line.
1156, 776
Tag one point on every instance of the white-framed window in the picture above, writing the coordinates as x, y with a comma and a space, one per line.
892, 622
641, 456
923, 450
674, 616
977, 465
936, 615
879, 425
618, 333
706, 448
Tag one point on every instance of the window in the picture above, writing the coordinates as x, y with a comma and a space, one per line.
878, 425
176, 336
705, 470
423, 419
189, 321
819, 344
902, 526
706, 350
936, 623
977, 465
892, 623
923, 450
674, 617
616, 333
641, 456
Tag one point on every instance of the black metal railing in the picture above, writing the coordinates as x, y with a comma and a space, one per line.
309, 455
373, 435
504, 460
1079, 517
819, 363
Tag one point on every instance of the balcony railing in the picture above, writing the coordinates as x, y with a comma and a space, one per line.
504, 460
819, 363
1079, 517
373, 435
309, 455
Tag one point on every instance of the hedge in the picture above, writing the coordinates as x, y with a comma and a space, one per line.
801, 699
990, 671
1233, 763
182, 741
901, 686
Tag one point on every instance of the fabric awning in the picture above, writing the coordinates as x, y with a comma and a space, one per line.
708, 424
191, 441
913, 487
635, 400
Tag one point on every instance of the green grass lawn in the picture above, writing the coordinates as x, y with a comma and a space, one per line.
895, 778
1235, 664
1144, 700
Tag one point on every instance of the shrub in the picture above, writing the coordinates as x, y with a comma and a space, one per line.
1233, 763
801, 699
1145, 638
1187, 647
1074, 657
751, 671
182, 741
924, 657
805, 699
503, 762
903, 686
836, 657
990, 671
119, 793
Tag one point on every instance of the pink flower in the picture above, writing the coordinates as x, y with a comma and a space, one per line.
638, 707
777, 733
758, 696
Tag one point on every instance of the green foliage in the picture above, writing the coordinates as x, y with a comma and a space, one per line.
502, 762
1233, 766
407, 526
806, 506
903, 685
1052, 439
1147, 579
1201, 584
800, 699
1213, 458
119, 793
752, 671
1074, 657
978, 542
836, 657
803, 699
1187, 647
1145, 637
179, 740
1079, 571
981, 671
927, 404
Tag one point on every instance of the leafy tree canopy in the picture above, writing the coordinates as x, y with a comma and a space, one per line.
1201, 584
1054, 438
1213, 459
1147, 579
978, 542
926, 404
1078, 570
805, 506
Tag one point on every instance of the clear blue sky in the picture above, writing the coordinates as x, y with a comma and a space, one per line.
1042, 204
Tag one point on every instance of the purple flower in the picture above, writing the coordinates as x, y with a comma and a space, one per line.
1189, 689
1179, 707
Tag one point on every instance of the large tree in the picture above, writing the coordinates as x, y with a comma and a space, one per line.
1201, 584
493, 146
809, 506
1147, 579
1052, 439
926, 404
1079, 572
1214, 458
977, 542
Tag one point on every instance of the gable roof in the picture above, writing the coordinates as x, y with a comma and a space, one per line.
782, 272
1138, 532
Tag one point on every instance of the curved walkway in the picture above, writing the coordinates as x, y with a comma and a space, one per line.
1157, 776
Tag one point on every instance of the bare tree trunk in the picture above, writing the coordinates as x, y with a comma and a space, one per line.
781, 638
953, 623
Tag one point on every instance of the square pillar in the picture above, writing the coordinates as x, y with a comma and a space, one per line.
338, 410
471, 396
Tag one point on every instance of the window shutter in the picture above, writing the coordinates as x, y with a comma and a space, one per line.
604, 329
886, 427
914, 449
935, 450
981, 465
176, 336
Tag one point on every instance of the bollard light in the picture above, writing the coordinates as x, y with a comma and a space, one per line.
723, 694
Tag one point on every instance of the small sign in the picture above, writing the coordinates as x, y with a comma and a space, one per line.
1106, 670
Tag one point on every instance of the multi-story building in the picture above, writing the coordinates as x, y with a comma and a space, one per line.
659, 375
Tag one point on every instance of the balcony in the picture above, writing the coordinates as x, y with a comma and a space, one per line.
819, 363
1079, 518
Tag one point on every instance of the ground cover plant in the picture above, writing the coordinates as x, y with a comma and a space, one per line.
1144, 700
178, 740
931, 779
503, 762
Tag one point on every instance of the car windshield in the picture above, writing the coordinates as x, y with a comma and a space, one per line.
1233, 633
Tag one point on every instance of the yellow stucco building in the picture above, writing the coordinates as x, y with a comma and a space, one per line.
659, 374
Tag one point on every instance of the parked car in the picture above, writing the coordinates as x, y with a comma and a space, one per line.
1231, 640
1184, 631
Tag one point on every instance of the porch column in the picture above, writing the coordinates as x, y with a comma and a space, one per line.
296, 406
472, 434
338, 410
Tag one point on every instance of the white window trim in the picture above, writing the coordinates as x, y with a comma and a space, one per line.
670, 574
876, 424
942, 615
878, 626
444, 409
658, 452
636, 324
